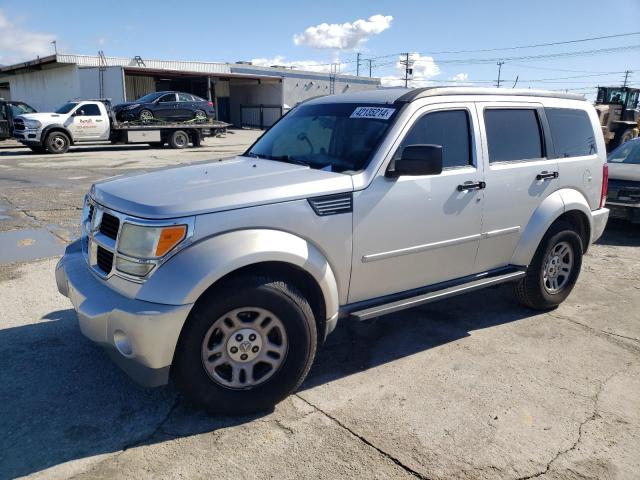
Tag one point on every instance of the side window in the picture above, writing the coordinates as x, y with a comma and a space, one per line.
513, 134
169, 97
450, 129
89, 110
571, 132
185, 97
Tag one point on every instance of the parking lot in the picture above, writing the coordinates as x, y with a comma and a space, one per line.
474, 387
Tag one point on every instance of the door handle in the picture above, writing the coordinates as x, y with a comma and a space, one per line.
471, 186
547, 175
99, 120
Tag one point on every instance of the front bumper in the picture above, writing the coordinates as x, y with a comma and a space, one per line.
28, 136
139, 336
625, 211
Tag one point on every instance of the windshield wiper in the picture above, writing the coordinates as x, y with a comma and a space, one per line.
288, 159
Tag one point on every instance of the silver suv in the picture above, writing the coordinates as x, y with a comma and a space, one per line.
226, 276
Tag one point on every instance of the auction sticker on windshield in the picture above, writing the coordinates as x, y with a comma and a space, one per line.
379, 113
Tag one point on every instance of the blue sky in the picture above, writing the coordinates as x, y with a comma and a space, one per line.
264, 31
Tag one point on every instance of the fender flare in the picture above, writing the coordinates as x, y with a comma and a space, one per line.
55, 126
188, 274
551, 208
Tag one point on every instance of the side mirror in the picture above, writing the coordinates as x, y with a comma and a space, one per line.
418, 160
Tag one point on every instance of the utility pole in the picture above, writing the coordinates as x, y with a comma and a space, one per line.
499, 70
369, 68
406, 70
55, 46
358, 64
626, 77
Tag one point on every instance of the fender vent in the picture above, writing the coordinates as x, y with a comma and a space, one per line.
332, 204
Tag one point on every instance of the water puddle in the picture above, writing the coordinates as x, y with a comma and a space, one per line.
31, 244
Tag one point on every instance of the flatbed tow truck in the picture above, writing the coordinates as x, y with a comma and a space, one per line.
85, 121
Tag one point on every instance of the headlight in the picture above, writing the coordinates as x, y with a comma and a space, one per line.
149, 242
131, 107
32, 124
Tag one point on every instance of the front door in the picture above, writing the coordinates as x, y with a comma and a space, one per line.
414, 231
166, 107
88, 123
4, 120
519, 175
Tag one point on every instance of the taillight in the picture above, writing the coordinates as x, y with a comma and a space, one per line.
211, 104
605, 184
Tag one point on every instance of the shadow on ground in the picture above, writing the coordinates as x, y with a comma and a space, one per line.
63, 399
621, 233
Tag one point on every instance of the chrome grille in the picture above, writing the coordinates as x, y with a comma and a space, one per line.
104, 259
109, 226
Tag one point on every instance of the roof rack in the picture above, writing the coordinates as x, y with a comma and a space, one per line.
453, 90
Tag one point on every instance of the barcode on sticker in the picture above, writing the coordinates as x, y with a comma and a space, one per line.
380, 113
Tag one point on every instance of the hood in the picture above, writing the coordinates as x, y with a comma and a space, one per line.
120, 106
212, 187
624, 171
43, 116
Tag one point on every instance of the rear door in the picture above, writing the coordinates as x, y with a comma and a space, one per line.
185, 106
519, 174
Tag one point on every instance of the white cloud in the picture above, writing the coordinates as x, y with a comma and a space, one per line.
424, 68
280, 61
18, 44
343, 36
102, 41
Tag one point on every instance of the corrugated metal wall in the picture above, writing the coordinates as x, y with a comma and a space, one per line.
138, 85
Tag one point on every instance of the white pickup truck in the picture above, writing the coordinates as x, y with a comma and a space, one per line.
91, 121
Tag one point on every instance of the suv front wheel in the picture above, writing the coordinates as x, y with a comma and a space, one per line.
245, 346
554, 269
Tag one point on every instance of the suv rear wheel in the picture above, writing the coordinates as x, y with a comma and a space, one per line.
57, 142
245, 346
554, 270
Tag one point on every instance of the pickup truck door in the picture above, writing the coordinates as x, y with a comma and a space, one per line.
519, 175
414, 231
4, 120
89, 121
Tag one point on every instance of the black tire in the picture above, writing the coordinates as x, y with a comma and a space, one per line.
145, 115
179, 139
274, 295
38, 149
57, 143
531, 290
200, 116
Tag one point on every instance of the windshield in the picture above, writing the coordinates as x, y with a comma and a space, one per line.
67, 107
338, 137
20, 108
148, 98
626, 153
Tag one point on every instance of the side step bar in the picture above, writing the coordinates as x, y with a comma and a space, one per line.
431, 296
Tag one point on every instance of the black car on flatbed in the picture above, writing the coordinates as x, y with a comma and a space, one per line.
168, 106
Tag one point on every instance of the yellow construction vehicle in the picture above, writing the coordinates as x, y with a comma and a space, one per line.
617, 108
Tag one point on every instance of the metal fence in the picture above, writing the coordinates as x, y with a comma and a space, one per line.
259, 116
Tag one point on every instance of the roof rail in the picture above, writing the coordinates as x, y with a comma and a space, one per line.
461, 90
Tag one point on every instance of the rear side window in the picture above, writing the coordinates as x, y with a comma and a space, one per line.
571, 132
513, 134
450, 129
185, 97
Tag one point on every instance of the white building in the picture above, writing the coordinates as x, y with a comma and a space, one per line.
244, 94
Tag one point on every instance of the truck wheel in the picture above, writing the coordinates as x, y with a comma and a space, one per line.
178, 139
245, 346
554, 269
145, 115
57, 142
